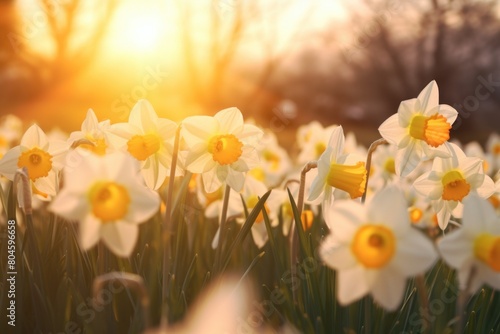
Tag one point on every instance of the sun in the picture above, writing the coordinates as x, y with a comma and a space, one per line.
136, 30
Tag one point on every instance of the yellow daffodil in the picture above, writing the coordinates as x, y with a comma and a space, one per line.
419, 129
43, 159
93, 131
338, 173
107, 196
450, 181
149, 139
374, 248
476, 244
221, 148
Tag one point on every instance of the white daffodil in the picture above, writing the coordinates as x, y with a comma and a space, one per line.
493, 153
313, 139
149, 139
495, 198
338, 173
93, 131
42, 158
419, 129
107, 196
450, 181
10, 132
383, 168
274, 161
374, 248
475, 247
221, 148
251, 192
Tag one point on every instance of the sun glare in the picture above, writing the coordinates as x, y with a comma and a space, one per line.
136, 30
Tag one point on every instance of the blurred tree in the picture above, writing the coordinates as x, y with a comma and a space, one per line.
232, 48
402, 46
29, 72
395, 49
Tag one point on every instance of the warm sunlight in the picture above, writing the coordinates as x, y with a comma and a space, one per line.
136, 30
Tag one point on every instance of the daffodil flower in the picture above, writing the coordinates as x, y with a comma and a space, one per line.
42, 158
313, 140
149, 139
374, 249
251, 192
338, 173
93, 131
221, 148
274, 161
10, 132
107, 196
419, 129
476, 244
450, 181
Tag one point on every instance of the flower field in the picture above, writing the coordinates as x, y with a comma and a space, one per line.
210, 226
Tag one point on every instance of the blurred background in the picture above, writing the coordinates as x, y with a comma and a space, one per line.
284, 63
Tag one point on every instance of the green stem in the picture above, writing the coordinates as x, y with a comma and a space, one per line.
372, 149
294, 237
166, 229
424, 300
462, 302
222, 228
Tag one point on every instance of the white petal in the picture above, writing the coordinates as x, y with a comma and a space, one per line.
470, 166
249, 159
336, 255
34, 137
387, 287
47, 184
344, 218
8, 163
456, 248
89, 228
235, 179
478, 215
144, 116
319, 182
448, 112
196, 129
210, 181
351, 285
259, 234
120, 237
429, 185
487, 188
336, 143
70, 205
415, 253
429, 97
443, 217
230, 120
488, 276
389, 207
442, 151
90, 122
251, 134
406, 111
144, 203
391, 131
198, 159
407, 159
215, 241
